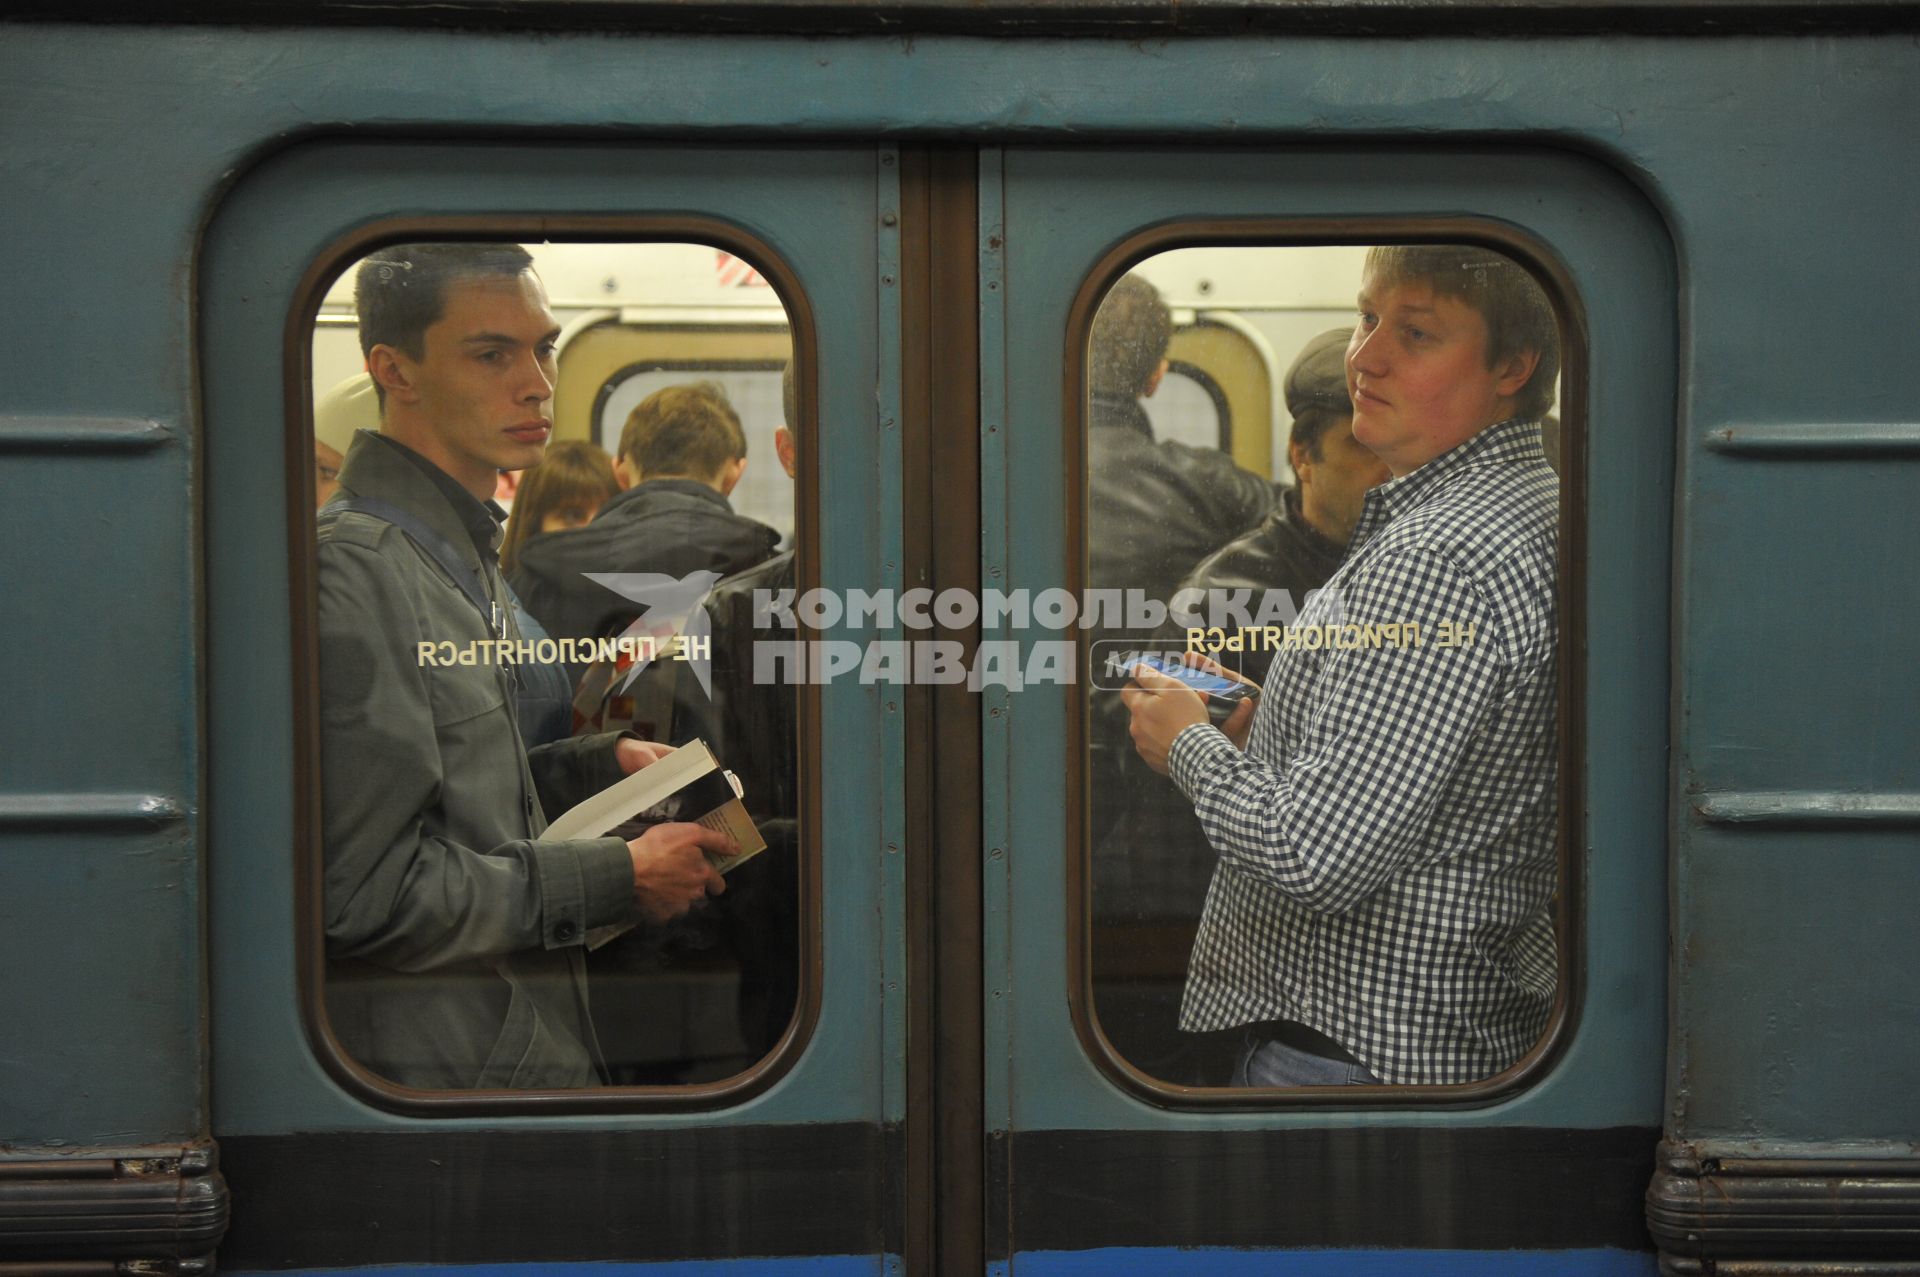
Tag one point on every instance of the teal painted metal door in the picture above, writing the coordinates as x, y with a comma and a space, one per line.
1085, 1154
325, 1175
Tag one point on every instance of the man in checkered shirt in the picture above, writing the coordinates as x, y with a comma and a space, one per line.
1386, 819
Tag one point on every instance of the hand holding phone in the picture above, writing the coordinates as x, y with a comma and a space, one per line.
1223, 691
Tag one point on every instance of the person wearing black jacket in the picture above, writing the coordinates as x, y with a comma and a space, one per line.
1155, 865
750, 725
1154, 508
1297, 547
681, 454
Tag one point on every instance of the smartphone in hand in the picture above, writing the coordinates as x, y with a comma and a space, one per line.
1223, 694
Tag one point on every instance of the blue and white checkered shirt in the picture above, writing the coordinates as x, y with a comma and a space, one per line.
1387, 841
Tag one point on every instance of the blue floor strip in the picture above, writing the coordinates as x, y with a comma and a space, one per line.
1219, 1262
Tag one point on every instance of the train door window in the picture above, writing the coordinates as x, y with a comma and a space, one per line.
558, 814
1335, 852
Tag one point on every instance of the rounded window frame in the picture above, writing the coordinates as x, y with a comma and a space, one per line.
309, 929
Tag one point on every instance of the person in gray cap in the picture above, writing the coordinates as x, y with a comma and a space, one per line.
350, 406
1297, 547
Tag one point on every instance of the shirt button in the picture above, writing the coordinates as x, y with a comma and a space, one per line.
563, 931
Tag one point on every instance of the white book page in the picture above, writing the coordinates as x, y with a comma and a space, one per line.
619, 803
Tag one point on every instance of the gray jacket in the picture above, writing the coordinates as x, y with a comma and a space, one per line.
453, 930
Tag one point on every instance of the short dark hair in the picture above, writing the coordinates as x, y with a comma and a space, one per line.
1516, 310
683, 430
1311, 424
401, 291
1131, 331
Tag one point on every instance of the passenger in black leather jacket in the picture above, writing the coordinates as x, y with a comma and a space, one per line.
1297, 547
755, 727
1154, 509
755, 731
751, 727
1155, 865
681, 453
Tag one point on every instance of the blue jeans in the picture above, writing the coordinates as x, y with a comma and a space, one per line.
1276, 1064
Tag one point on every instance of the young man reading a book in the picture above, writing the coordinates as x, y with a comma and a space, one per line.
453, 928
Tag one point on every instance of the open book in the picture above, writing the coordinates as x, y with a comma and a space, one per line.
688, 784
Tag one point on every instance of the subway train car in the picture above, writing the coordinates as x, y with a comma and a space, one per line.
937, 1033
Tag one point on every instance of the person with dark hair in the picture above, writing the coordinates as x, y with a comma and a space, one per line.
564, 491
401, 291
1154, 867
681, 453
1154, 508
755, 723
1298, 546
751, 726
453, 928
1386, 820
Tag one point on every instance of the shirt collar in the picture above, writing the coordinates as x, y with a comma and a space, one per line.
685, 487
1513, 440
1124, 412
374, 469
481, 519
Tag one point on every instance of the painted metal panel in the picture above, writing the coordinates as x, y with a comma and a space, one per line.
815, 208
1064, 210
